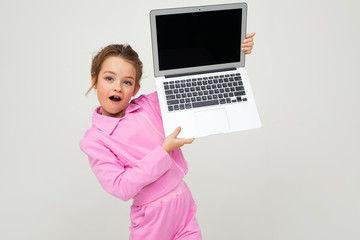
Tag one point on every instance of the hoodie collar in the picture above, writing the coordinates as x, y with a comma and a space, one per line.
108, 124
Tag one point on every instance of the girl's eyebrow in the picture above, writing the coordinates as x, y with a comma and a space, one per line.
131, 77
110, 72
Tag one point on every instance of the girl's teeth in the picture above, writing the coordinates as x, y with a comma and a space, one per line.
115, 98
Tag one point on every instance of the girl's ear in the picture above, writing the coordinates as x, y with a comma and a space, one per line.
137, 88
92, 82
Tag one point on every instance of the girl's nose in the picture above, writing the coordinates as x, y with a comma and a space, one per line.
117, 86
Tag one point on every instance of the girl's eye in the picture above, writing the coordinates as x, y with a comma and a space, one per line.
127, 82
109, 78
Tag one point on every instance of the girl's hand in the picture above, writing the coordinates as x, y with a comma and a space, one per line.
248, 43
171, 142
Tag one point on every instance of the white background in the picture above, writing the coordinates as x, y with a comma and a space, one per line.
297, 177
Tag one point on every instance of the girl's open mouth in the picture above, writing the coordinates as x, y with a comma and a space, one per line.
115, 99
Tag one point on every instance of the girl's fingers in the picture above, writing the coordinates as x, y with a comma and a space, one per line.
249, 40
186, 140
248, 44
250, 35
247, 50
180, 141
176, 132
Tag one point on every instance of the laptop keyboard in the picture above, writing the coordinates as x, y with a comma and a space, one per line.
200, 92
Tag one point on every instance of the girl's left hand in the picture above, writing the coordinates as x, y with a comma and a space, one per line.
248, 43
172, 142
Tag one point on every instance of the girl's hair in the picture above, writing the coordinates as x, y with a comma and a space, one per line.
120, 50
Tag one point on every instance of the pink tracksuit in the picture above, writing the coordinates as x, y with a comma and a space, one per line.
127, 158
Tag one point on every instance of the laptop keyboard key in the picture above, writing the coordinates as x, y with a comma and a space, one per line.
170, 97
205, 103
173, 102
239, 93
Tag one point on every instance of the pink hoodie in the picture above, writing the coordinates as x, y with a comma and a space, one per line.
126, 154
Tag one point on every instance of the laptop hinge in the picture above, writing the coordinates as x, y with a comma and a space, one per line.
201, 72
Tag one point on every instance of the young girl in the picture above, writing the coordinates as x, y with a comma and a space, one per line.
130, 155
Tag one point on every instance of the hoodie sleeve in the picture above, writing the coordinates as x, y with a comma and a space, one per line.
151, 101
118, 179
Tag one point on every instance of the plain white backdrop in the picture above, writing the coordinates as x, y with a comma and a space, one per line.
295, 178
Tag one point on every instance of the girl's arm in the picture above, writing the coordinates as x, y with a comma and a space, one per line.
171, 142
123, 181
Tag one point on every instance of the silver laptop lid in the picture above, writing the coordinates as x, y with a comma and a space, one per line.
198, 39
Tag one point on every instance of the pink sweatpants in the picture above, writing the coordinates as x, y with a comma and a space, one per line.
171, 217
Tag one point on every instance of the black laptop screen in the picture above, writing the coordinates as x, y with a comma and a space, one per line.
198, 39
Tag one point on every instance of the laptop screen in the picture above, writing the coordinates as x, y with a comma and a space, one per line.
198, 38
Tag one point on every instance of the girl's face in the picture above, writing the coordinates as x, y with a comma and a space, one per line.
116, 86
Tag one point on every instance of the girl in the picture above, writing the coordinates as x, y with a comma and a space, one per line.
129, 153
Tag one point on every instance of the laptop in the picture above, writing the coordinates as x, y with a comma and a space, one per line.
200, 77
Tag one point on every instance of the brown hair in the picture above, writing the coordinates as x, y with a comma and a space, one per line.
124, 51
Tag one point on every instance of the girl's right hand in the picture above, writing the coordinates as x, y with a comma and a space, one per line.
248, 43
171, 142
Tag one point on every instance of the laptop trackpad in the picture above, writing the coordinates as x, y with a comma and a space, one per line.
210, 121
